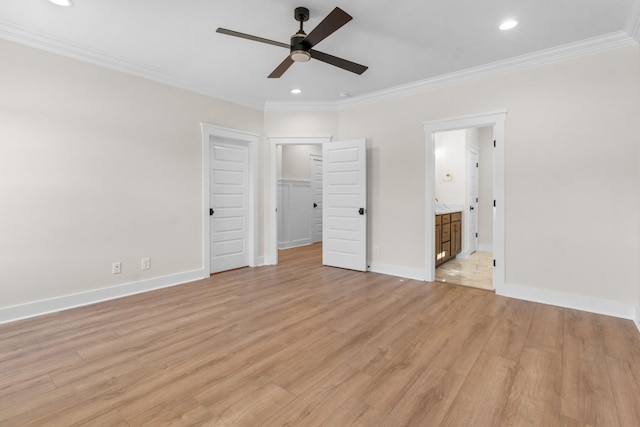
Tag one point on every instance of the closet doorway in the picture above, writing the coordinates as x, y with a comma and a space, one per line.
294, 218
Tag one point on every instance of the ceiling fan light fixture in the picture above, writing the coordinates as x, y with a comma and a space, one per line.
63, 3
296, 91
508, 24
300, 56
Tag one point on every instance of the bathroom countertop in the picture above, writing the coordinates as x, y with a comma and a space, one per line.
444, 209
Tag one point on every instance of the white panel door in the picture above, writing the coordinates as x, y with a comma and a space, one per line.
472, 198
316, 198
229, 211
345, 202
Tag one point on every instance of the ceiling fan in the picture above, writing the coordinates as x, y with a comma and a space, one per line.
301, 47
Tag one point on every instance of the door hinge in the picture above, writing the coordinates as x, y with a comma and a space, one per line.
494, 203
476, 235
476, 200
494, 262
476, 164
494, 142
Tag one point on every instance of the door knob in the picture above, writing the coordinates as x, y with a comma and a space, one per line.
361, 211
315, 205
210, 212
470, 208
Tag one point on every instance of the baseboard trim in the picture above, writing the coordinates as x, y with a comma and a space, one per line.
485, 247
637, 319
52, 305
573, 301
395, 270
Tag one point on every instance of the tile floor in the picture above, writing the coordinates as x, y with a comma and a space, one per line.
474, 271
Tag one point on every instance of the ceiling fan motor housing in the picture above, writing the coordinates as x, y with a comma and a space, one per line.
299, 51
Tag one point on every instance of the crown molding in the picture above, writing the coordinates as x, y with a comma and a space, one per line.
547, 56
632, 28
300, 106
39, 40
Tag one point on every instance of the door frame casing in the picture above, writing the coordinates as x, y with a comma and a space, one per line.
497, 120
274, 141
211, 133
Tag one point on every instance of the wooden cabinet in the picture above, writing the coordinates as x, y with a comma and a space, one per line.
456, 233
448, 239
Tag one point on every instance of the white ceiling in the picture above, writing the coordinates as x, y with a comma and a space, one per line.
402, 42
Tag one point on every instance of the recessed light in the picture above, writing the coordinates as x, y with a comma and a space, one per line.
64, 3
508, 24
296, 91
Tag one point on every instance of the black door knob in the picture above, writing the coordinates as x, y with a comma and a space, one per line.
210, 212
315, 205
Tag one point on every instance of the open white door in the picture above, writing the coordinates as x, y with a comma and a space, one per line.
344, 216
315, 163
472, 200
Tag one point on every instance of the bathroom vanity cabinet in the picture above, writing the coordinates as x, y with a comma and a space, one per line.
448, 236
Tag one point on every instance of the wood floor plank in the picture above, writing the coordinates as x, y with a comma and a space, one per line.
547, 329
484, 394
428, 399
321, 402
256, 407
303, 344
621, 338
508, 337
354, 413
535, 395
586, 389
625, 381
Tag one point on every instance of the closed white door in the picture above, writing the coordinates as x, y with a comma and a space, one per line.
316, 198
345, 205
229, 210
472, 199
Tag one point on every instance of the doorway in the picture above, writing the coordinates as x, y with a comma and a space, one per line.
299, 195
496, 121
278, 148
463, 207
344, 219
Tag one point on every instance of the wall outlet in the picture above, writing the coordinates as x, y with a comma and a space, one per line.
145, 264
116, 268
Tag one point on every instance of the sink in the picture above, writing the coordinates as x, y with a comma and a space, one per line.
444, 209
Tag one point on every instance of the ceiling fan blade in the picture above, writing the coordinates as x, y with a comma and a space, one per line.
336, 19
338, 62
250, 37
280, 69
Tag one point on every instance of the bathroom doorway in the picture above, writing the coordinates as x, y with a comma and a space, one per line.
495, 121
463, 178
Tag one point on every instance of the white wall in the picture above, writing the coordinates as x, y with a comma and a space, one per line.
451, 172
572, 151
97, 166
295, 160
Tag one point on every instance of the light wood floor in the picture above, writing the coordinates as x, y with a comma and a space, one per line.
300, 344
476, 271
